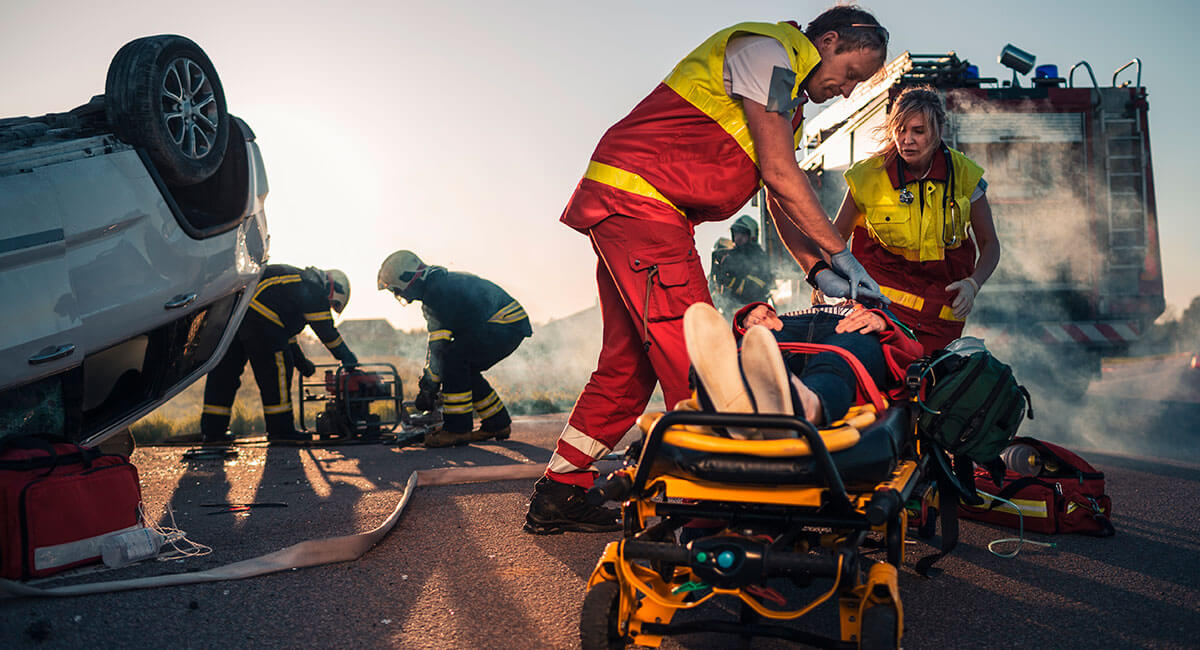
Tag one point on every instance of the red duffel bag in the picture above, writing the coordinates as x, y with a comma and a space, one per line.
1057, 491
57, 502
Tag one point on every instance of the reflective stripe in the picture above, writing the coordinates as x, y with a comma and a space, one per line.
585, 444
318, 315
625, 180
266, 312
334, 343
947, 313
910, 300
485, 402
1028, 508
456, 398
213, 409
439, 335
489, 406
458, 409
279, 279
489, 412
760, 282
286, 407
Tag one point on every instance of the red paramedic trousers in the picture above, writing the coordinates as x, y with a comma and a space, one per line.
633, 253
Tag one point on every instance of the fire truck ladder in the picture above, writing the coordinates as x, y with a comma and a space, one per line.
1125, 156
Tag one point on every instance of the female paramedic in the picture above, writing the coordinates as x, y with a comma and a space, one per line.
909, 208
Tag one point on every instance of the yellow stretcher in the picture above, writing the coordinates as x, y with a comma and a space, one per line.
782, 526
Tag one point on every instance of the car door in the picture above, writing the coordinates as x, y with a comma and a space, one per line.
39, 326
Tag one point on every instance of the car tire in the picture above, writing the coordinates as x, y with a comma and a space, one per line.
162, 94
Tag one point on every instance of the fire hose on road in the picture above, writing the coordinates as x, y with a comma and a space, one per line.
309, 553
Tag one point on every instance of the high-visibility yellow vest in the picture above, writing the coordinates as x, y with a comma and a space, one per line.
919, 231
700, 76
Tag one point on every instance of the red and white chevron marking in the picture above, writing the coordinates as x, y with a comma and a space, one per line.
1090, 333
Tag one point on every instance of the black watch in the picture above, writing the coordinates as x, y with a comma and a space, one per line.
811, 278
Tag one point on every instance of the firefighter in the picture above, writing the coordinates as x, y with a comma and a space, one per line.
917, 212
724, 121
743, 274
473, 324
286, 300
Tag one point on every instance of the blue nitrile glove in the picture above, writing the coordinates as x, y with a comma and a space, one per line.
855, 276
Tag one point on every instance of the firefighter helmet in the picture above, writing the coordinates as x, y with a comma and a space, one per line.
400, 271
339, 289
747, 223
724, 243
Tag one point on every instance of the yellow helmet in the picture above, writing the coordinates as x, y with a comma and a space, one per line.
399, 272
339, 289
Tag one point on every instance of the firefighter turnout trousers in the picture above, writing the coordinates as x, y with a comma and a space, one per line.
648, 274
464, 389
272, 363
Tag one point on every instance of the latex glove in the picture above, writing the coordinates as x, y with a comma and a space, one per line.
967, 289
835, 286
858, 280
306, 367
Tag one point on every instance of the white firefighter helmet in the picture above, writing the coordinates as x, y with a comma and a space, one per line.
339, 289
748, 224
400, 271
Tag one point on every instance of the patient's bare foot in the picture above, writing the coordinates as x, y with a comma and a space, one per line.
713, 353
765, 372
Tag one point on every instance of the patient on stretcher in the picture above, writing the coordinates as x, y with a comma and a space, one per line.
819, 388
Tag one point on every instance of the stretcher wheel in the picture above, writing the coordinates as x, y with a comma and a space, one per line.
878, 631
598, 624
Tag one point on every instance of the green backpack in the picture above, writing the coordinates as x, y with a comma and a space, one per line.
970, 405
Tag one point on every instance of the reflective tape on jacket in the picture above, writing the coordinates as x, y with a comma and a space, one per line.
625, 180
917, 303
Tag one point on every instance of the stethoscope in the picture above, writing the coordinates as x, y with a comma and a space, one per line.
906, 197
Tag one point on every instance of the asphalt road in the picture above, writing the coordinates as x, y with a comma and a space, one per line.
457, 572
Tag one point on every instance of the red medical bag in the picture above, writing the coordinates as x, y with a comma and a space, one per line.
1066, 496
57, 502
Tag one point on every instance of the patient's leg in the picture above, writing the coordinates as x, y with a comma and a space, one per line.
832, 380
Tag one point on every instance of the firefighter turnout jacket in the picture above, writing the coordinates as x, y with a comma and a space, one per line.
742, 275
288, 299
467, 308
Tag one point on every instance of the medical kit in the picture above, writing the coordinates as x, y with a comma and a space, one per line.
1054, 489
58, 501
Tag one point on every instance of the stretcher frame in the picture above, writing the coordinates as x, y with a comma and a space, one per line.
644, 579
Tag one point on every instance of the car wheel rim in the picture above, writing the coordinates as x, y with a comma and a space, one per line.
189, 108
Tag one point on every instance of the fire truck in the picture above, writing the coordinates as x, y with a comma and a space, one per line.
1069, 181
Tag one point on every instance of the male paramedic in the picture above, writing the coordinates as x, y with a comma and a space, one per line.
725, 121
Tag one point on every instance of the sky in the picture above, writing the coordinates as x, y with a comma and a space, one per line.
458, 129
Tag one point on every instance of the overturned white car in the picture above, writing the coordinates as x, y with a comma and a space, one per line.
132, 236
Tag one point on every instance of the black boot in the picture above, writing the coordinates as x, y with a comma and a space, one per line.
558, 507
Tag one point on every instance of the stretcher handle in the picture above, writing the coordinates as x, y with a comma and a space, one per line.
816, 444
860, 372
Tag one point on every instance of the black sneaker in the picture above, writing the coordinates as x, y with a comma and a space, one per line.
559, 507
